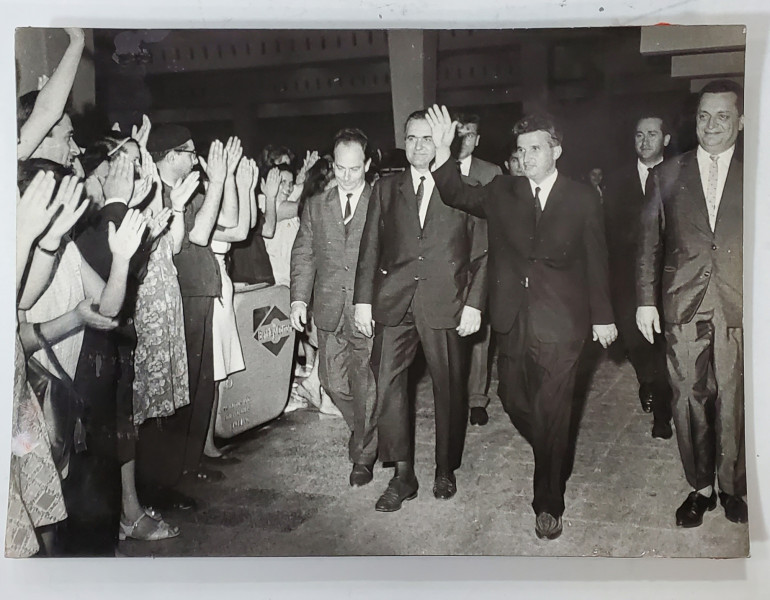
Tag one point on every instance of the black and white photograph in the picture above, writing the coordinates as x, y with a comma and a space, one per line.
383, 291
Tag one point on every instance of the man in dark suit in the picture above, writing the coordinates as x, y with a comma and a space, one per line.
548, 262
693, 228
476, 172
323, 266
421, 280
623, 203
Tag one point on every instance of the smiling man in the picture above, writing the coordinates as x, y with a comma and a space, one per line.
623, 204
421, 280
692, 255
548, 262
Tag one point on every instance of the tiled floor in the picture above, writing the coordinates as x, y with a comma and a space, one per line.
290, 497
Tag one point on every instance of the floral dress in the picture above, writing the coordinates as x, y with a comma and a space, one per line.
161, 384
35, 496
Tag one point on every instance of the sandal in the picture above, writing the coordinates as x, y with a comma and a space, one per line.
160, 530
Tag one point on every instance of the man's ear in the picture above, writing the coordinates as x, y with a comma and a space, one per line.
556, 152
507, 166
740, 123
666, 139
478, 139
367, 164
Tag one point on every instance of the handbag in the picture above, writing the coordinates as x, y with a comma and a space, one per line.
66, 431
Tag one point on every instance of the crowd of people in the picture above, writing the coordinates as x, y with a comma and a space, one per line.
129, 251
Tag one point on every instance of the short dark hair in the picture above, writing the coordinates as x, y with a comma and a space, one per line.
468, 119
418, 115
271, 154
653, 114
538, 122
27, 169
351, 135
723, 86
102, 149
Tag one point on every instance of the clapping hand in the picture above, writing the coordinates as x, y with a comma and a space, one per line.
120, 179
311, 158
271, 184
243, 174
125, 241
216, 164
67, 202
233, 153
183, 191
142, 134
157, 224
142, 187
34, 209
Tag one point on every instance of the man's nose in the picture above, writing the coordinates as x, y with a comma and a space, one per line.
75, 149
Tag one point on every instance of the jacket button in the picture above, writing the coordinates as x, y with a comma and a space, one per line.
343, 288
347, 268
706, 273
420, 258
713, 246
416, 278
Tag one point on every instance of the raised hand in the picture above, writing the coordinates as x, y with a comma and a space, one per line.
34, 209
159, 222
243, 174
142, 187
67, 202
216, 165
142, 134
120, 179
125, 241
183, 191
271, 183
311, 158
76, 34
88, 315
233, 152
254, 174
442, 127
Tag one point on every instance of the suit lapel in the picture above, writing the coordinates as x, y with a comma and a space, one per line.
733, 190
335, 210
409, 197
359, 215
433, 207
694, 187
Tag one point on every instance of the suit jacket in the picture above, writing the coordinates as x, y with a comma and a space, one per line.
676, 234
482, 172
561, 266
442, 266
623, 206
324, 256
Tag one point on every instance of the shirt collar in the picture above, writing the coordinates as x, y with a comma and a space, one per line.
416, 176
722, 157
356, 192
465, 163
644, 168
115, 201
546, 185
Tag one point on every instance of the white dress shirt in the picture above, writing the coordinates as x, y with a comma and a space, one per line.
644, 172
465, 165
356, 195
545, 187
427, 187
723, 162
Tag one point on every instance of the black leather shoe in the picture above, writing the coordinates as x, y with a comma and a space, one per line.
690, 513
445, 485
360, 474
662, 430
646, 397
398, 490
479, 416
169, 499
547, 526
735, 508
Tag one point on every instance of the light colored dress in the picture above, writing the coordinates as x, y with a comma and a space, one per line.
228, 355
161, 383
35, 497
279, 249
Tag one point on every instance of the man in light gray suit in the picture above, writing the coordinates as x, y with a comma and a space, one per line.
476, 172
323, 265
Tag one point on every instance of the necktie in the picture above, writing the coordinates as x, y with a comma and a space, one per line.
647, 181
420, 192
711, 190
459, 167
348, 215
538, 207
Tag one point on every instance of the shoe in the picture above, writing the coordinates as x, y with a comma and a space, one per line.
445, 485
690, 513
736, 509
646, 397
146, 529
398, 490
361, 474
662, 430
168, 499
479, 416
547, 526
